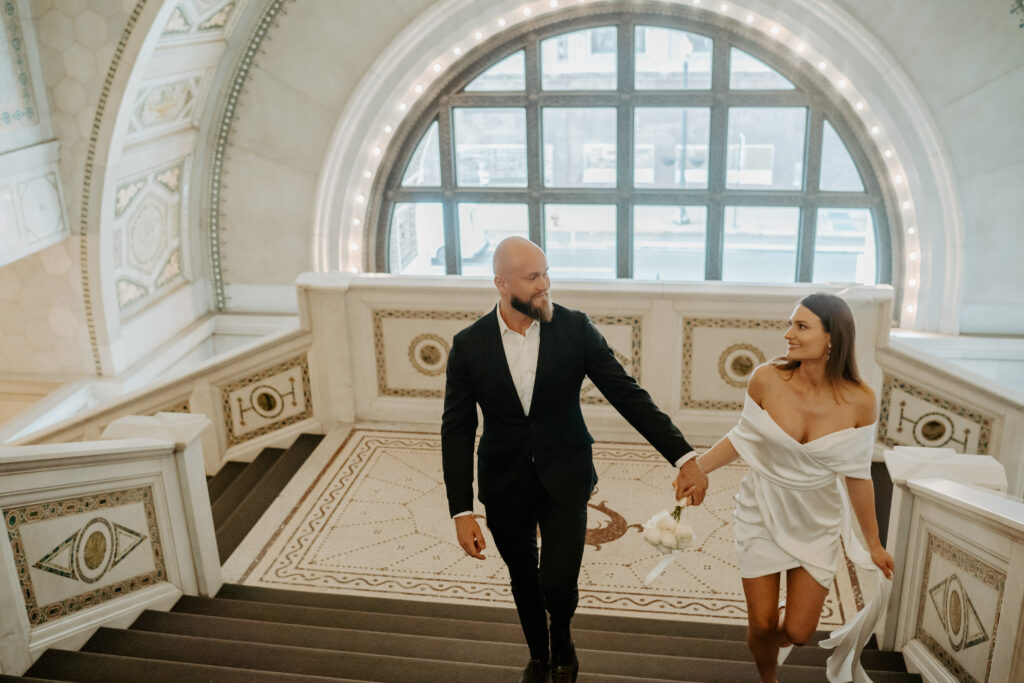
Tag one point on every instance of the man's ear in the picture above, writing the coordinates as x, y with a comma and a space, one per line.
499, 282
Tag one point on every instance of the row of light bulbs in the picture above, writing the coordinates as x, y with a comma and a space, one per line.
912, 267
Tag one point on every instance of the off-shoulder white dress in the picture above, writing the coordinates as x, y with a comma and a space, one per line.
792, 509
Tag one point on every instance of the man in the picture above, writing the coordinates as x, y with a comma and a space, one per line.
524, 364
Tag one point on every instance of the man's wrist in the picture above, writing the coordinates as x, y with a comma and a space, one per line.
686, 458
462, 514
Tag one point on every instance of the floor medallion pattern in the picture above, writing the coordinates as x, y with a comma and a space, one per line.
374, 522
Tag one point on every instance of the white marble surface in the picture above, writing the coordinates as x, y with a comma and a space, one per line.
1004, 511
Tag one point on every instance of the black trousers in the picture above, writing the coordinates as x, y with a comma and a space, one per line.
543, 582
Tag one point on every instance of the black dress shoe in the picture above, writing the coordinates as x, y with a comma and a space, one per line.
536, 671
568, 667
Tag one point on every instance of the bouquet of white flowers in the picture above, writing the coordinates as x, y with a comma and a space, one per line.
669, 532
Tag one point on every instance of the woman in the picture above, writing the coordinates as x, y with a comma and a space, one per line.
808, 422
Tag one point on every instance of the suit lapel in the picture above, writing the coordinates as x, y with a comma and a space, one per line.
544, 354
501, 366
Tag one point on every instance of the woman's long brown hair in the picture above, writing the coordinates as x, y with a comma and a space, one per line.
837, 319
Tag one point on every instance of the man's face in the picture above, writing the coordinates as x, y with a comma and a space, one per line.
528, 288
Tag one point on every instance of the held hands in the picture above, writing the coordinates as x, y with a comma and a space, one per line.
470, 537
883, 560
691, 482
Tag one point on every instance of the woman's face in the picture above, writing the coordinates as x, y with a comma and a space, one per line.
806, 338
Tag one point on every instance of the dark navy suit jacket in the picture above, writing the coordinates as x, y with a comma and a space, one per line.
553, 438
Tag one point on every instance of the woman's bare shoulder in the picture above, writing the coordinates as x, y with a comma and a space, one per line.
864, 403
762, 379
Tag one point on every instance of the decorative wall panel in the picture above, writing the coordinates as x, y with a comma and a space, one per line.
17, 99
31, 213
73, 553
412, 348
272, 398
201, 19
719, 354
960, 600
150, 247
911, 416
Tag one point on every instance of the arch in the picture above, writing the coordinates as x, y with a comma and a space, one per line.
893, 111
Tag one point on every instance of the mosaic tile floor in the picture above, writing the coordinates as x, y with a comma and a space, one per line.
367, 515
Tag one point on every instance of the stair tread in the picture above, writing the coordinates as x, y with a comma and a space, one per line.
239, 488
232, 528
507, 650
93, 667
218, 483
304, 660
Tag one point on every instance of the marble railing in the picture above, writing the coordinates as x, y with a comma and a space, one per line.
99, 531
256, 396
380, 344
930, 402
958, 597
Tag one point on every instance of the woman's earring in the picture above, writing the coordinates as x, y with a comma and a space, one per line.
829, 351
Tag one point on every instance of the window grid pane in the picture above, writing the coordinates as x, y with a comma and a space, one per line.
659, 214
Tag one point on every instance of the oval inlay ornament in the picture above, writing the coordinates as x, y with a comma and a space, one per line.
266, 401
428, 353
933, 429
93, 551
737, 362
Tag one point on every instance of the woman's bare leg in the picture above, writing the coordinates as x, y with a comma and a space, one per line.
804, 600
763, 630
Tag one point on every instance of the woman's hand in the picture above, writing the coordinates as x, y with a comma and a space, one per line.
883, 560
691, 482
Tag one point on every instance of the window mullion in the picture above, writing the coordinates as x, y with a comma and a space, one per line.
446, 140
624, 154
717, 150
809, 213
534, 161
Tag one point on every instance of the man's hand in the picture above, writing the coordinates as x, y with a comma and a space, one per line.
691, 482
470, 537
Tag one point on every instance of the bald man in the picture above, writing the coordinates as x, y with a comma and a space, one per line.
523, 364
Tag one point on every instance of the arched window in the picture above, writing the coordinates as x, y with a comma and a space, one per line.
636, 144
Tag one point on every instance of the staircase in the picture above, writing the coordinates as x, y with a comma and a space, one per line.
258, 634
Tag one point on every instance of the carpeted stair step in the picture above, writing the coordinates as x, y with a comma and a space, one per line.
234, 527
239, 487
219, 482
621, 652
283, 658
92, 667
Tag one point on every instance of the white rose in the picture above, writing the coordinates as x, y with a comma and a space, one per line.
684, 531
652, 535
666, 523
668, 539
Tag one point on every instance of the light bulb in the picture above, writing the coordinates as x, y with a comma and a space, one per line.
725, 8
906, 205
436, 68
356, 221
842, 83
888, 154
897, 179
912, 256
527, 11
875, 130
910, 308
376, 151
860, 106
367, 174
360, 198
750, 18
821, 66
354, 269
911, 230
501, 22
478, 35
401, 106
553, 3
775, 30
912, 282
418, 88
388, 129
353, 246
457, 51
800, 47
696, 2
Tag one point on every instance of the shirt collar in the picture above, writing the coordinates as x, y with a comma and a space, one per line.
503, 326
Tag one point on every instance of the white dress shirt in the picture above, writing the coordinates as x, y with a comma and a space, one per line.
521, 352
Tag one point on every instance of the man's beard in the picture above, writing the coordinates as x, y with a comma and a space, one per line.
542, 313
